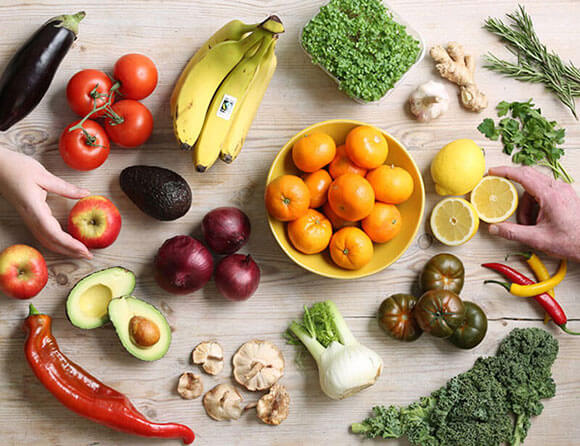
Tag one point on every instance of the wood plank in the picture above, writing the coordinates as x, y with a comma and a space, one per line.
300, 94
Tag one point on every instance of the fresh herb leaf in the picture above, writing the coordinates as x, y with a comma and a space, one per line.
535, 62
535, 139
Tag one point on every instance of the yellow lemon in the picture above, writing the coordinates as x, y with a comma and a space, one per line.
495, 199
454, 221
458, 167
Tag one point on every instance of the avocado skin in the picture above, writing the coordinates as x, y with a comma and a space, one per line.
158, 192
98, 277
122, 309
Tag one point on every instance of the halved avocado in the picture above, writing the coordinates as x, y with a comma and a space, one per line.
87, 302
154, 334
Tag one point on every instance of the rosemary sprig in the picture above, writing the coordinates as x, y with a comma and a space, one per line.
535, 63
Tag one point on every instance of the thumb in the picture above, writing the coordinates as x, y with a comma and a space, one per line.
530, 235
52, 183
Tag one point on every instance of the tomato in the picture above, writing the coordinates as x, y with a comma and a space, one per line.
439, 312
83, 152
137, 75
135, 125
443, 272
397, 319
473, 329
85, 88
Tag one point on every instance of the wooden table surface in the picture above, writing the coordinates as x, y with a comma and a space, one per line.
169, 31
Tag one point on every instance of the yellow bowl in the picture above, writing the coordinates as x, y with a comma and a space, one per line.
385, 253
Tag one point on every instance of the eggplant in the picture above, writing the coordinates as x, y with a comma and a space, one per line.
31, 70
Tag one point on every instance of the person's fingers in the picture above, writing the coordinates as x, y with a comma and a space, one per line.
48, 231
528, 210
529, 235
535, 183
52, 183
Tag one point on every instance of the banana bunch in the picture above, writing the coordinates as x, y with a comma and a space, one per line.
218, 93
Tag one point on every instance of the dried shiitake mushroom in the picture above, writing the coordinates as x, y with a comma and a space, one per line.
258, 365
223, 402
189, 386
210, 355
273, 407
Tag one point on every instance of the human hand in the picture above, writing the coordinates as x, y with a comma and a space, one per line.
555, 230
24, 183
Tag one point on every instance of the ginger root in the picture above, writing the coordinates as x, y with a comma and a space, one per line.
456, 66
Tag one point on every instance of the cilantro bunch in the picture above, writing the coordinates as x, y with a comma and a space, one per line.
359, 43
528, 136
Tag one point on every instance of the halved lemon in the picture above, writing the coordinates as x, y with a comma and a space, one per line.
495, 199
454, 221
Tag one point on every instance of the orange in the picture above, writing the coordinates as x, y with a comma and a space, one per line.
287, 198
318, 183
314, 151
391, 184
342, 164
383, 223
351, 248
367, 147
310, 233
336, 221
351, 197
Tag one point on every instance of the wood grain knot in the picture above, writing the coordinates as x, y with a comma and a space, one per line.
62, 279
27, 140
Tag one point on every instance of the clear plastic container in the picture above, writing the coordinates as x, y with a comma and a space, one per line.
410, 30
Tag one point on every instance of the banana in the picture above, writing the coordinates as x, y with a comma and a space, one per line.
225, 107
236, 137
201, 82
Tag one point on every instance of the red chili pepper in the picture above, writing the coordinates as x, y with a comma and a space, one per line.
81, 392
548, 303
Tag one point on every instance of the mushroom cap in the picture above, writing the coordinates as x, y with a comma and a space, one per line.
210, 355
273, 407
189, 386
258, 365
223, 402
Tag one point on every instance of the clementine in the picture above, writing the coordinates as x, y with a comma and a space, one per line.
336, 221
351, 197
314, 151
318, 183
383, 223
391, 184
367, 147
351, 248
310, 233
342, 164
287, 198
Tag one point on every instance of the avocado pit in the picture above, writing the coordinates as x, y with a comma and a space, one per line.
143, 331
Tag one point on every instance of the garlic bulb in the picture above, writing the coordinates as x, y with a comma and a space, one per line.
429, 101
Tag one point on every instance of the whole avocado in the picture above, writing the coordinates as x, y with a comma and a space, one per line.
160, 193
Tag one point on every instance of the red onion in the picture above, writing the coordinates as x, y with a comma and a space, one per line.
226, 229
237, 277
183, 265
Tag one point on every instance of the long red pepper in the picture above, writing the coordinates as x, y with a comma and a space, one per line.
548, 303
81, 392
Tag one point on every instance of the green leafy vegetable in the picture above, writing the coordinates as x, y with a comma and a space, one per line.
535, 63
478, 407
528, 136
360, 44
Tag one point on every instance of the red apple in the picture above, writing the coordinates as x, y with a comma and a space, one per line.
23, 272
95, 221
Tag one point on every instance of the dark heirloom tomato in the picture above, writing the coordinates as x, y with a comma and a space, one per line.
443, 272
439, 312
396, 317
473, 329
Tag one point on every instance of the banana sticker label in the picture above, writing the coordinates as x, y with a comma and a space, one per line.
226, 107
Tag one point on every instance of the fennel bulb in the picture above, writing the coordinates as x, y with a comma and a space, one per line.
345, 366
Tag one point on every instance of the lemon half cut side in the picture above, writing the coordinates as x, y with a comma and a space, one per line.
454, 221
